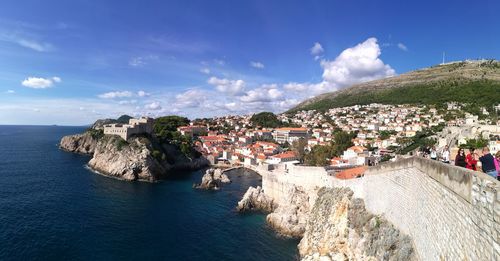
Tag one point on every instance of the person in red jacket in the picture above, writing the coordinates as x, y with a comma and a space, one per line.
471, 160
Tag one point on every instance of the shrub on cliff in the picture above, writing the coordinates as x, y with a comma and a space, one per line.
120, 143
96, 133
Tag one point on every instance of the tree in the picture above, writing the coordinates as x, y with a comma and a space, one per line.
319, 155
265, 120
342, 140
475, 143
299, 147
386, 134
166, 126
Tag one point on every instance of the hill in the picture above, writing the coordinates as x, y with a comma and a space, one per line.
475, 82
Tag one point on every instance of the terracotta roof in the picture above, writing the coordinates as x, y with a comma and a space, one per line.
284, 155
265, 143
262, 157
351, 173
291, 129
357, 149
211, 138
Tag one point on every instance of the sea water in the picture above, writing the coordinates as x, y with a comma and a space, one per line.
53, 208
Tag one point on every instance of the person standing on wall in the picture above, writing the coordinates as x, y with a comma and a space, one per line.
460, 158
497, 164
445, 155
433, 153
488, 163
471, 160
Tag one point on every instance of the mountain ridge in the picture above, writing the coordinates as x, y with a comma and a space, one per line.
441, 80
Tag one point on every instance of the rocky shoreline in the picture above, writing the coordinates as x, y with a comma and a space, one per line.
140, 158
213, 180
331, 223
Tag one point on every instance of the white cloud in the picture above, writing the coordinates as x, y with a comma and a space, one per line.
36, 110
296, 87
127, 102
266, 93
40, 47
402, 47
232, 87
190, 98
118, 94
317, 49
205, 70
142, 93
153, 106
10, 91
220, 62
40, 83
309, 89
257, 65
141, 61
357, 64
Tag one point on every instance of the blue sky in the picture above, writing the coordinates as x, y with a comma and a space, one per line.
71, 62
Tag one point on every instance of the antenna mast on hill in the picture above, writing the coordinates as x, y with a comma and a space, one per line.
443, 56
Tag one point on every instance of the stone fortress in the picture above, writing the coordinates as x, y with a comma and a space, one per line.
135, 126
450, 213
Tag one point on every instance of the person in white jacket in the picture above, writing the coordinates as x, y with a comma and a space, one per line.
445, 156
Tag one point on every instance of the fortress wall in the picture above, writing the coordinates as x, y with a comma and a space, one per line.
448, 211
451, 213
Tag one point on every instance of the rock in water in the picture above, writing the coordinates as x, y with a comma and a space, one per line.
79, 143
255, 199
213, 179
132, 160
220, 175
340, 228
290, 217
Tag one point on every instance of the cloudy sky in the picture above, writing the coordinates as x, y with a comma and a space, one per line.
71, 62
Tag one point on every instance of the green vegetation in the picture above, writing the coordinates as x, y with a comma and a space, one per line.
420, 140
265, 120
123, 119
477, 143
95, 134
165, 127
299, 147
386, 134
120, 143
320, 155
480, 93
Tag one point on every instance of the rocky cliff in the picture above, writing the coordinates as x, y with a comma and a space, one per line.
255, 199
213, 179
140, 158
340, 228
80, 143
332, 223
132, 160
290, 217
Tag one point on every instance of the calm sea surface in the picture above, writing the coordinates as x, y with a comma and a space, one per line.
53, 208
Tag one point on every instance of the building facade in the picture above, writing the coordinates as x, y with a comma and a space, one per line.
135, 126
282, 135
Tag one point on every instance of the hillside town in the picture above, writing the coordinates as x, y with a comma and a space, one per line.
377, 133
344, 140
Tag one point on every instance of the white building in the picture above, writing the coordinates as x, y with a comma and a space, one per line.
282, 135
135, 126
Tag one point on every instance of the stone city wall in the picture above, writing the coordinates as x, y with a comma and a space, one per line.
451, 213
